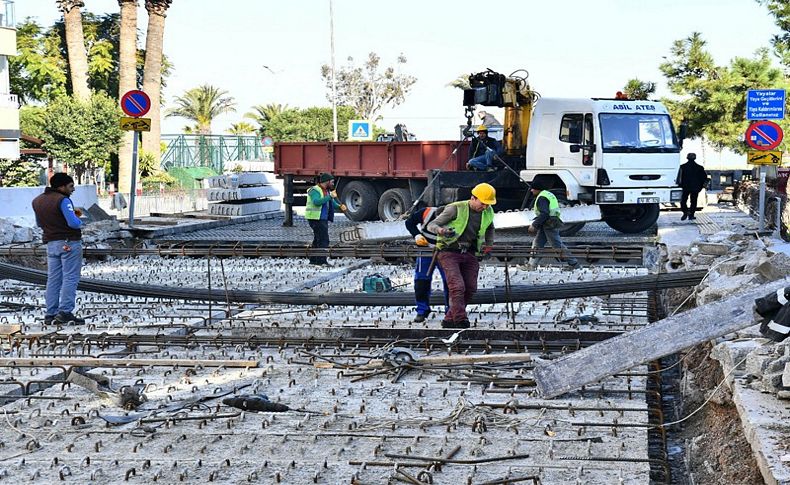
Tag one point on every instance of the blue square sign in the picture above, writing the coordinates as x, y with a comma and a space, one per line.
765, 104
360, 130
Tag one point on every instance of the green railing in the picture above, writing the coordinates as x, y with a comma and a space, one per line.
210, 150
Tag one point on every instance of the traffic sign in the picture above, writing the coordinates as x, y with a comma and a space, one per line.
135, 103
360, 130
268, 141
764, 157
135, 124
764, 135
765, 104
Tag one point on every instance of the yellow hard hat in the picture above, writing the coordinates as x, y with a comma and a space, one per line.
485, 193
482, 128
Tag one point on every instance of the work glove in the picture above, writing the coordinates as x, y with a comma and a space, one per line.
485, 253
343, 207
333, 194
78, 212
447, 231
420, 240
532, 230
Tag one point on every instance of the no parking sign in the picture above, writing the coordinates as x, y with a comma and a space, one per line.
764, 135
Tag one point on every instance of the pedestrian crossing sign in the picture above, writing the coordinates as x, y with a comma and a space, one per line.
360, 130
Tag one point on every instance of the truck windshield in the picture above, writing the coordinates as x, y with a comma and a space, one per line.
624, 133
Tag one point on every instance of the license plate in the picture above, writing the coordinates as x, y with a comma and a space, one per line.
648, 200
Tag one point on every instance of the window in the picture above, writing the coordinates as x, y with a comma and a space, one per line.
637, 132
571, 128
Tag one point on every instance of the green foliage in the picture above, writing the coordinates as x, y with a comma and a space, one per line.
25, 172
637, 89
241, 128
780, 9
202, 105
309, 124
39, 73
83, 134
712, 99
368, 89
461, 82
146, 164
237, 168
31, 120
262, 113
157, 180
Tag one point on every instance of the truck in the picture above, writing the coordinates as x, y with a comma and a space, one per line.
620, 154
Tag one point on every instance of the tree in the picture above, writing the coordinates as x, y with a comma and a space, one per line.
263, 113
310, 124
152, 77
461, 82
241, 128
39, 73
637, 89
781, 42
25, 172
202, 105
82, 133
366, 88
127, 80
75, 42
712, 99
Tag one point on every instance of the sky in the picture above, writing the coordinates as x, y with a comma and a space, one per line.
571, 48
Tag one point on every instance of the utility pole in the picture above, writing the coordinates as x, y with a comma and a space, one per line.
334, 80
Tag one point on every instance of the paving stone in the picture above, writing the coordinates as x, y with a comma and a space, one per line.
715, 249
775, 267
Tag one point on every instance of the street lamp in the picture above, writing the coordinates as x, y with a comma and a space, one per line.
334, 81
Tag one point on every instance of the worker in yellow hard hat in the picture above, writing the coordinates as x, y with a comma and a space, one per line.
483, 150
465, 233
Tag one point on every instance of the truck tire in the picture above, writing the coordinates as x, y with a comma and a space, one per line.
571, 228
630, 218
361, 199
393, 203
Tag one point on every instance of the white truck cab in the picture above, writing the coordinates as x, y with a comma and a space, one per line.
621, 154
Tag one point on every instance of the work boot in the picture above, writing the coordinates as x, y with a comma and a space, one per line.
420, 318
68, 318
692, 218
685, 216
48, 319
451, 324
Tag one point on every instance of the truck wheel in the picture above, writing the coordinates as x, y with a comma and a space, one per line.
361, 199
570, 229
630, 218
393, 203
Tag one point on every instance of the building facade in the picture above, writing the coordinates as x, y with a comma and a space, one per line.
9, 103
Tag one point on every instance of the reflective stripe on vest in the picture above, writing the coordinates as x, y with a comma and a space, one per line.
459, 225
312, 211
428, 215
554, 205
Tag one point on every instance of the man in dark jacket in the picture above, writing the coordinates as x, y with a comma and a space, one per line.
691, 178
61, 225
417, 224
482, 151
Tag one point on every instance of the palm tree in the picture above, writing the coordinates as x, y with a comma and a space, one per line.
75, 46
241, 128
152, 71
202, 105
127, 81
263, 113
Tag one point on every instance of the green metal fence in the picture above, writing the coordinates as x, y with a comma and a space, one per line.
209, 150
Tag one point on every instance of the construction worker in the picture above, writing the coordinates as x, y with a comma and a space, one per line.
320, 211
482, 151
417, 224
546, 225
466, 232
56, 216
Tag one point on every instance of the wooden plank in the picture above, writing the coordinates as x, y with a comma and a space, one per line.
9, 329
460, 359
94, 362
657, 340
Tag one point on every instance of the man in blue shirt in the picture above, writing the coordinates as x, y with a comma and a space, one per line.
61, 225
417, 224
482, 151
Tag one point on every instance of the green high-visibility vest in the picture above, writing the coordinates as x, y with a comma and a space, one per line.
459, 225
312, 211
554, 205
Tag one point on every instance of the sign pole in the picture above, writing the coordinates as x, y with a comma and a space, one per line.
134, 178
761, 207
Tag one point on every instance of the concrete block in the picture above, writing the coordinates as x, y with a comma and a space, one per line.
730, 268
786, 376
580, 213
775, 267
243, 179
241, 193
244, 209
723, 286
715, 249
23, 234
757, 363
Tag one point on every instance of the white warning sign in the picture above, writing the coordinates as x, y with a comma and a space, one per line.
360, 130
